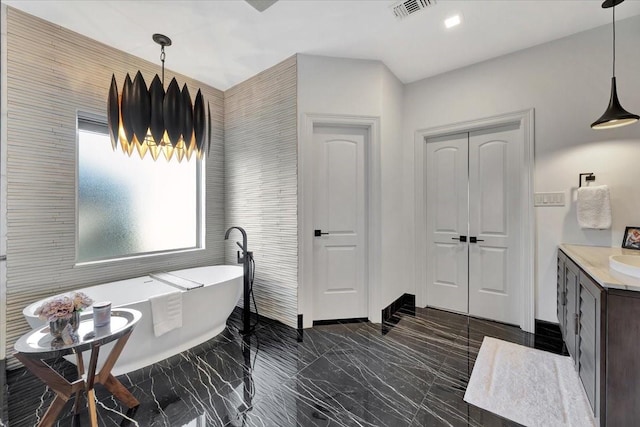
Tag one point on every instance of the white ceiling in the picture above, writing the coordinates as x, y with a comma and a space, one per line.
223, 42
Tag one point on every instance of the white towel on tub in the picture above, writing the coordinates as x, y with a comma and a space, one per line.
594, 207
166, 311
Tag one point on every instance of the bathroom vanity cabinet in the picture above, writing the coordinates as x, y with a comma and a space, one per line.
599, 317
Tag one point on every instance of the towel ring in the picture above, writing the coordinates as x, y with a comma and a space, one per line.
588, 177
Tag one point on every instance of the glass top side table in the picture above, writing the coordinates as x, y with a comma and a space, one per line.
36, 346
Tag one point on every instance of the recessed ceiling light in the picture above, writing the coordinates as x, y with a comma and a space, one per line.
452, 21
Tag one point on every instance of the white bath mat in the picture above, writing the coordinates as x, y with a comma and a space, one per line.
529, 386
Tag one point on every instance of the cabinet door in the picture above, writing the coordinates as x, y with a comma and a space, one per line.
561, 305
571, 279
589, 341
623, 358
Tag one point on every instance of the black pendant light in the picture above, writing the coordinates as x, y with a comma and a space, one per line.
615, 115
155, 121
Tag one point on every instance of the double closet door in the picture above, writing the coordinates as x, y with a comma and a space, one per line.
474, 233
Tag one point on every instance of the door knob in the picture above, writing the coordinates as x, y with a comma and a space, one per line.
318, 233
461, 238
474, 239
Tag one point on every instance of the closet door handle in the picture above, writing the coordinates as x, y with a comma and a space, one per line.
461, 238
474, 239
318, 233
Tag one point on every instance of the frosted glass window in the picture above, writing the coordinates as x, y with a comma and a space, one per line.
129, 206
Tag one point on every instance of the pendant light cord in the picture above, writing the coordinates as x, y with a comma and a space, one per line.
162, 55
614, 40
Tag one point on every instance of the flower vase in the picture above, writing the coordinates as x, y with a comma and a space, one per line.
58, 326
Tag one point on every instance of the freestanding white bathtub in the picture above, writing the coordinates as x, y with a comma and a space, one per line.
204, 312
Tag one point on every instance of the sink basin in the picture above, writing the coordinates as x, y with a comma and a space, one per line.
626, 264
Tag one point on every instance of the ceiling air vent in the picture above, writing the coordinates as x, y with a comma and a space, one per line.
408, 7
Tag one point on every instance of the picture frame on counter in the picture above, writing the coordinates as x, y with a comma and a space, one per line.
631, 239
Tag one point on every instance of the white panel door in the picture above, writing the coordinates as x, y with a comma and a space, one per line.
495, 200
339, 264
447, 220
473, 190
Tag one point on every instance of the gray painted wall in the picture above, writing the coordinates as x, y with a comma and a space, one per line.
567, 82
47, 84
354, 87
261, 184
395, 259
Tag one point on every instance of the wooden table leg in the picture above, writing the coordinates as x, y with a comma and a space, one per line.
113, 357
91, 376
56, 382
91, 400
80, 366
50, 377
119, 391
52, 413
114, 386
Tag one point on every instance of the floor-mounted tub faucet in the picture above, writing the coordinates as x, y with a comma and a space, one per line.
243, 246
245, 258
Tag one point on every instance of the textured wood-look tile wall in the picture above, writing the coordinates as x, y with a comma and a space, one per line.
52, 74
260, 117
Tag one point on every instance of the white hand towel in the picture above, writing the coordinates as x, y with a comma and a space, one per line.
594, 207
166, 311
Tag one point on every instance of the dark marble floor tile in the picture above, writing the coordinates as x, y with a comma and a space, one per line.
318, 340
444, 320
411, 372
280, 408
209, 385
548, 330
470, 338
444, 406
408, 352
361, 387
257, 322
222, 359
479, 328
277, 346
430, 336
552, 345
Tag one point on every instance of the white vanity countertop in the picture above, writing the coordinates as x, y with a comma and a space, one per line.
594, 260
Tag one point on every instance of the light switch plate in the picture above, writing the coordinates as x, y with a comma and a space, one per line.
549, 199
